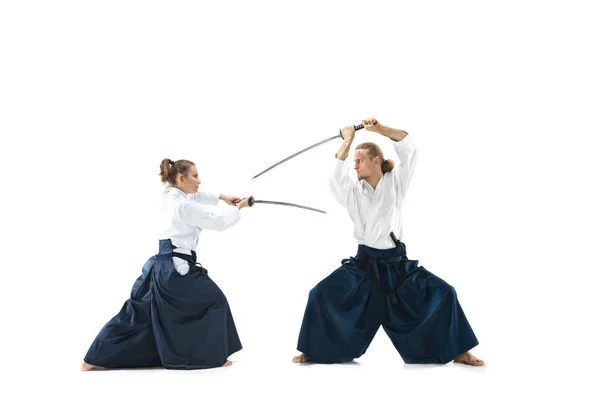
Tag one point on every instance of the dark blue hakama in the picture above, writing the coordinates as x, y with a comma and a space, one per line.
170, 320
419, 312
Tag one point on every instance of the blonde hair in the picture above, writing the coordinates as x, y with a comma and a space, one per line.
375, 151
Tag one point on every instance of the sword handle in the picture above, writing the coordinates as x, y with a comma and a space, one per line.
250, 201
356, 128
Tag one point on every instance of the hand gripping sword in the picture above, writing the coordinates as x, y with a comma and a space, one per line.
356, 128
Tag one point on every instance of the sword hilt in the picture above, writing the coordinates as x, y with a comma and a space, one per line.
250, 201
356, 128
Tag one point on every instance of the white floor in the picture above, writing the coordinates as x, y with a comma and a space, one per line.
380, 373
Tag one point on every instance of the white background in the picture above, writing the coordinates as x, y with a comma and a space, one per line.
501, 97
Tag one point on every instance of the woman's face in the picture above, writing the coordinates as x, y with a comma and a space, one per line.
189, 184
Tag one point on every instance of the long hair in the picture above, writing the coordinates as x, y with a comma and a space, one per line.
375, 151
169, 170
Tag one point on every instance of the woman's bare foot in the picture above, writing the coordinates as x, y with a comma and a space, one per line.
468, 359
227, 363
302, 358
89, 367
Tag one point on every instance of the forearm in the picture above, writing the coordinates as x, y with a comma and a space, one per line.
230, 217
394, 134
342, 153
218, 219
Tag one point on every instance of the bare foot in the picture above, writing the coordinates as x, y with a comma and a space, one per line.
227, 363
302, 358
89, 367
468, 359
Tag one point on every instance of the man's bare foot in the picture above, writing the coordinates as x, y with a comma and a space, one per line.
302, 358
468, 359
227, 363
88, 367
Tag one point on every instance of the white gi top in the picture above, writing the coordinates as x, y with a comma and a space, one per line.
186, 215
376, 212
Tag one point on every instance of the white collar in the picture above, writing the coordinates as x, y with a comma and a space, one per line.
172, 190
368, 188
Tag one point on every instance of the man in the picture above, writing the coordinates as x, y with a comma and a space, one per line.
419, 312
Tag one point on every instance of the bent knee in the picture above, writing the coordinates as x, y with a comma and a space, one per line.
221, 299
314, 294
447, 290
443, 288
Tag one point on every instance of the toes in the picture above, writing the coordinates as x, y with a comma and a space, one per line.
469, 361
300, 359
475, 362
89, 367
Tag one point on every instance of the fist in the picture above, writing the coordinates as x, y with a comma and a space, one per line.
371, 124
241, 203
348, 132
231, 200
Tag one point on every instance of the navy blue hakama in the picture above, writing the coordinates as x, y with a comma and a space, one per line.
170, 320
419, 312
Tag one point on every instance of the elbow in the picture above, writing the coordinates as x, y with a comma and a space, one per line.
332, 184
226, 221
334, 188
222, 225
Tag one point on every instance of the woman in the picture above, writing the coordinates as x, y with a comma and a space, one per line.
176, 316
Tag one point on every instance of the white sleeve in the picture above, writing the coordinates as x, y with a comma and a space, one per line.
406, 151
204, 197
341, 184
211, 218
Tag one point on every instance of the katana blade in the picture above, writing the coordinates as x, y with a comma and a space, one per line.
252, 201
281, 203
356, 127
295, 154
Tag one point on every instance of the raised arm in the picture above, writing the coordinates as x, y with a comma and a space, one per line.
340, 182
404, 146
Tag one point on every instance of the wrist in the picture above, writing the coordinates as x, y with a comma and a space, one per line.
341, 156
380, 129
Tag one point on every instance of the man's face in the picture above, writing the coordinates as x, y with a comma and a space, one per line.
365, 166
